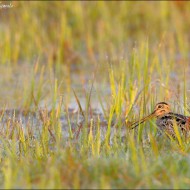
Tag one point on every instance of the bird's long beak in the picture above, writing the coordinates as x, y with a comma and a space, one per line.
135, 124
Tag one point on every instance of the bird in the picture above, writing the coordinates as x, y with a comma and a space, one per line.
165, 120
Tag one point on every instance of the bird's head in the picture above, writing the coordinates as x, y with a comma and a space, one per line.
160, 110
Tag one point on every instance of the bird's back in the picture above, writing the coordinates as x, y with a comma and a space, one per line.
166, 122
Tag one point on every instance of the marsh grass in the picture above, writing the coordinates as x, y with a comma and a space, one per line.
141, 63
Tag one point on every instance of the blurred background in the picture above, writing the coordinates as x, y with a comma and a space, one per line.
75, 43
120, 58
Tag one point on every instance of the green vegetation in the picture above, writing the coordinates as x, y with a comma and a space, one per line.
120, 57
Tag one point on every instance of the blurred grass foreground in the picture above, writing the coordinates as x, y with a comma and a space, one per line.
71, 73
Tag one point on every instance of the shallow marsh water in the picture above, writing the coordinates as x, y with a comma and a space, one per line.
16, 83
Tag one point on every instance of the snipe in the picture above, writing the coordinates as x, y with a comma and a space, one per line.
165, 120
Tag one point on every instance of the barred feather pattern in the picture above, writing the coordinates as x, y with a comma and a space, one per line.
166, 122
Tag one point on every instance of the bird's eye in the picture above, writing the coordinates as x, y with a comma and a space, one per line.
159, 106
